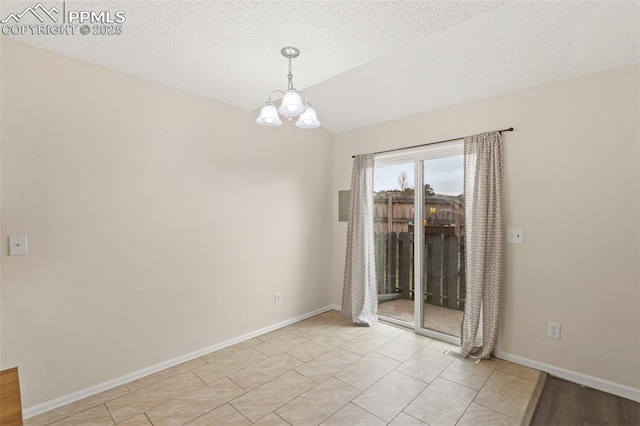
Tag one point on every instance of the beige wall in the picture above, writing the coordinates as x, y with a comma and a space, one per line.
572, 182
159, 222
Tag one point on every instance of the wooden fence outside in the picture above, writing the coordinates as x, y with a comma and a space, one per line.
393, 212
443, 267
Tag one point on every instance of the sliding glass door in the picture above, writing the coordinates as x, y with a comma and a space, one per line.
443, 245
420, 263
393, 227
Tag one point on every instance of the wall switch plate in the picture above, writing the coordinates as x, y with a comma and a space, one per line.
17, 245
515, 235
277, 298
553, 330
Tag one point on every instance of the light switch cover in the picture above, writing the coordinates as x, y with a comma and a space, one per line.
17, 245
515, 235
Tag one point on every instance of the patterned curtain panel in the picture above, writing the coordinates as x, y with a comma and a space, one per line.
484, 235
359, 293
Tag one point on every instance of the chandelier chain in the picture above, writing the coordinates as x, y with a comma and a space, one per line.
290, 76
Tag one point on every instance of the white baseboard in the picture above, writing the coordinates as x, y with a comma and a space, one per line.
573, 376
618, 389
92, 390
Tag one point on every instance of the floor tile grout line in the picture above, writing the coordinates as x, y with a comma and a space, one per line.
270, 380
460, 384
168, 401
491, 409
470, 402
279, 407
66, 416
493, 370
280, 417
334, 413
414, 398
177, 373
148, 419
75, 414
196, 374
236, 410
349, 384
411, 377
237, 384
336, 371
477, 391
199, 378
110, 415
485, 406
190, 420
494, 410
273, 411
301, 360
413, 417
268, 414
363, 408
464, 412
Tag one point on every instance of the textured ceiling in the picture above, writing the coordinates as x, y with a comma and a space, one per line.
361, 62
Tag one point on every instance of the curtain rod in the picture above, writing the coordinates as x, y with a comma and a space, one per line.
510, 129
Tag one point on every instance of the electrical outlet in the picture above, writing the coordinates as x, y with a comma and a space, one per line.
553, 330
277, 298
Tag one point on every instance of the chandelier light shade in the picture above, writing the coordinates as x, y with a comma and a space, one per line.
308, 119
292, 104
269, 116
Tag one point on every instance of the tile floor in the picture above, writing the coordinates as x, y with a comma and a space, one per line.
318, 371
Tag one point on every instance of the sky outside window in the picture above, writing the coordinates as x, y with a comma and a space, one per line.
445, 175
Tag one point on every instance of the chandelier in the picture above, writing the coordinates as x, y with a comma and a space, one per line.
292, 105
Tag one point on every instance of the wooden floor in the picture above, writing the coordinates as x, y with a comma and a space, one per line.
566, 403
10, 404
